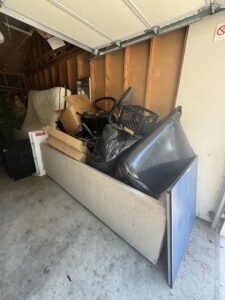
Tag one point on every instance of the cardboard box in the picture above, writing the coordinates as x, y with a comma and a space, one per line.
70, 119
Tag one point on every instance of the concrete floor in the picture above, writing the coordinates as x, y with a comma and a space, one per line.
51, 247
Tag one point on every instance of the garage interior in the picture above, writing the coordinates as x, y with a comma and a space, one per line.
55, 247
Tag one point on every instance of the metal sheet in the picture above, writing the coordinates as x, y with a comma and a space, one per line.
181, 206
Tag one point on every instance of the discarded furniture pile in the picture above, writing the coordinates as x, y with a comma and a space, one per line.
134, 171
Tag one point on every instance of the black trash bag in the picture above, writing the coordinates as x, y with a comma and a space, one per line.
97, 162
158, 159
113, 142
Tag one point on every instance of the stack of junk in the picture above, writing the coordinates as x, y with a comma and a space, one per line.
122, 140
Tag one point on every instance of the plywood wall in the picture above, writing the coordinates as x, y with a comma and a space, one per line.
151, 68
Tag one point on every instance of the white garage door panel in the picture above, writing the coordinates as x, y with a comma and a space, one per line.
164, 11
99, 23
51, 16
111, 16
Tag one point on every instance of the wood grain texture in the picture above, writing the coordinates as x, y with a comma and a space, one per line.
135, 70
47, 78
62, 73
114, 66
83, 67
166, 52
97, 72
71, 66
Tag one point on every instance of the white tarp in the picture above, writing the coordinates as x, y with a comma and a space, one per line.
41, 108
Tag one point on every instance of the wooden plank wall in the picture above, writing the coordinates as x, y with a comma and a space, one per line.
166, 54
152, 68
64, 71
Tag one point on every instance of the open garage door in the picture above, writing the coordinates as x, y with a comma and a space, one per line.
104, 25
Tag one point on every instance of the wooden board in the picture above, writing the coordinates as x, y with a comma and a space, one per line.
66, 149
41, 80
62, 73
47, 79
36, 81
83, 67
135, 70
166, 52
70, 141
72, 74
114, 64
55, 75
97, 72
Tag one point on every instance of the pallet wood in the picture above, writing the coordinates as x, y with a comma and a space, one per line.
65, 138
166, 52
66, 149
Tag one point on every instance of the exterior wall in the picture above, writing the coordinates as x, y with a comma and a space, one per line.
202, 96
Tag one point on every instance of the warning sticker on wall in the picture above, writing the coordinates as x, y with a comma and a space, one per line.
220, 32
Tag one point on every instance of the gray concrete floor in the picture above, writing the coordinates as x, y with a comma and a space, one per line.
51, 247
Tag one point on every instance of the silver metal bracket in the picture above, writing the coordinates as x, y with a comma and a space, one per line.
118, 43
95, 51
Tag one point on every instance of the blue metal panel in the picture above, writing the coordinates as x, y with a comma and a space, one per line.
181, 216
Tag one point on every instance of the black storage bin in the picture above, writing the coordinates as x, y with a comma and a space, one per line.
18, 159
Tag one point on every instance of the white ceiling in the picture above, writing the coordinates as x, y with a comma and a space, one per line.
96, 23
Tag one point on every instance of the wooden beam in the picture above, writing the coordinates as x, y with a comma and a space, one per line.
55, 75
97, 72
135, 70
62, 73
41, 79
47, 78
166, 52
37, 81
83, 67
72, 74
114, 69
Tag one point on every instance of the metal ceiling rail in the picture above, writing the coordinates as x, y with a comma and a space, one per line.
138, 13
156, 31
82, 20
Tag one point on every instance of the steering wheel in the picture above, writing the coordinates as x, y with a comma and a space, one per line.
102, 100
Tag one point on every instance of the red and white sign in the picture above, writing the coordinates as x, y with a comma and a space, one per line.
220, 32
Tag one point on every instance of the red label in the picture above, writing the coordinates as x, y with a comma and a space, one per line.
39, 133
